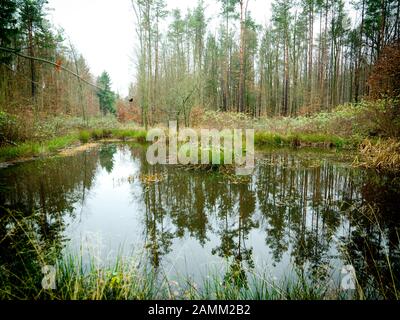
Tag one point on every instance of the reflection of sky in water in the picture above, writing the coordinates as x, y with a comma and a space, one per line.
295, 212
111, 221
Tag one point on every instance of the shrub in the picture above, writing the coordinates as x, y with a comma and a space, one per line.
384, 115
385, 76
8, 129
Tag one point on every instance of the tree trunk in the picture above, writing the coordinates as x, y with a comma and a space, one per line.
381, 42
358, 61
242, 44
286, 93
310, 51
32, 61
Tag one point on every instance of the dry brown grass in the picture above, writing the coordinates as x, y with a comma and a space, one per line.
382, 155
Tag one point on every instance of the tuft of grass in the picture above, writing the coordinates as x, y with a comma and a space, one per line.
299, 140
25, 150
59, 143
215, 159
126, 134
84, 136
122, 134
140, 135
267, 138
97, 134
120, 280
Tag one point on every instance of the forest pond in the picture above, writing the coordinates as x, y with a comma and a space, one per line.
307, 210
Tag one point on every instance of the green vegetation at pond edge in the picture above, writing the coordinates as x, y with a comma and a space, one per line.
349, 126
303, 139
124, 280
32, 149
122, 134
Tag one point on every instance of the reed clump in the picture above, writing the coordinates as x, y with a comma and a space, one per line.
381, 155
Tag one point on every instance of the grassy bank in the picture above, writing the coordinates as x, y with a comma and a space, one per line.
346, 126
32, 149
40, 146
304, 140
35, 149
373, 153
43, 148
120, 134
27, 137
350, 126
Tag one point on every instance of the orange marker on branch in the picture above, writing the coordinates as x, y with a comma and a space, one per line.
58, 65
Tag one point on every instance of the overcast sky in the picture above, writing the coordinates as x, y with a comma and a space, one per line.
104, 31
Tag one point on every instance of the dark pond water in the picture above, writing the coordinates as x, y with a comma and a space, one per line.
299, 210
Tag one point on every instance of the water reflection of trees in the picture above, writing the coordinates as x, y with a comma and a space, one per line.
106, 157
301, 207
34, 200
190, 201
372, 245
